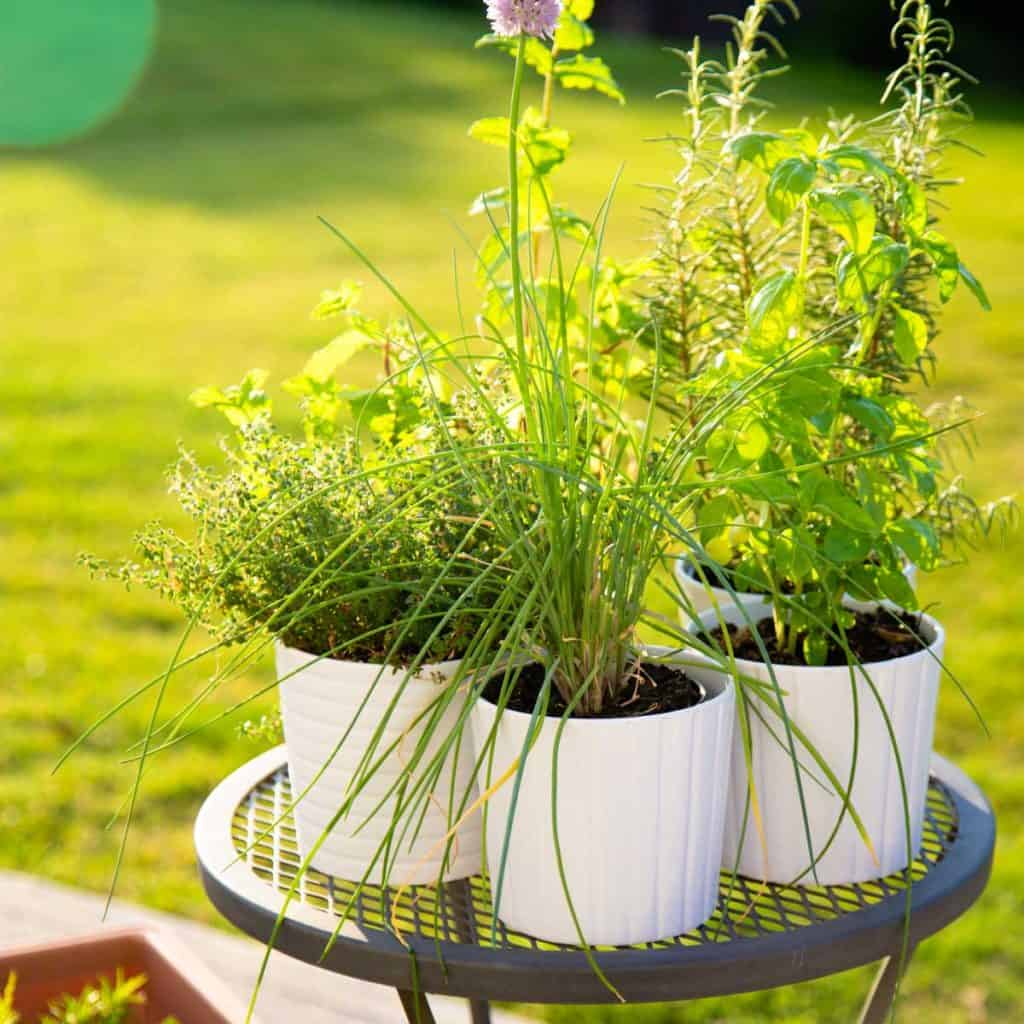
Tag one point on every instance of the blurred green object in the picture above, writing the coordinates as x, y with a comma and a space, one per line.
66, 65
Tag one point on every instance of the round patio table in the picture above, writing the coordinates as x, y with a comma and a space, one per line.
761, 936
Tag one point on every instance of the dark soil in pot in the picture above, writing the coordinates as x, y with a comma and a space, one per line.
655, 689
877, 635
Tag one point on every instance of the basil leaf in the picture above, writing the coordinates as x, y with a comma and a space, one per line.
850, 212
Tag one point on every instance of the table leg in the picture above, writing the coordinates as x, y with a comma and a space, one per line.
479, 1012
879, 1002
417, 1009
465, 925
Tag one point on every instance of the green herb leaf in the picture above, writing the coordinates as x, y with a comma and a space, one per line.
815, 648
763, 149
859, 159
850, 212
916, 539
803, 140
581, 72
871, 416
573, 33
773, 309
945, 260
713, 518
241, 403
323, 363
752, 442
895, 586
339, 301
912, 204
909, 334
977, 290
494, 131
808, 393
536, 54
858, 278
820, 493
794, 550
775, 488
544, 146
790, 181
845, 545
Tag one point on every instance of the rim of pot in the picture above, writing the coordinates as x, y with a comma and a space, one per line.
685, 570
929, 624
313, 660
695, 661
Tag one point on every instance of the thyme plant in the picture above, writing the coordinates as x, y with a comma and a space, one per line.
354, 536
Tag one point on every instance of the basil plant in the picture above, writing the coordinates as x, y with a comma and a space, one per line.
802, 269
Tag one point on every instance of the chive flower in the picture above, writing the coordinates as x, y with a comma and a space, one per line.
524, 17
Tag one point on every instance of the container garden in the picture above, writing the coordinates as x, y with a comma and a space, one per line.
640, 802
702, 597
824, 702
178, 984
320, 703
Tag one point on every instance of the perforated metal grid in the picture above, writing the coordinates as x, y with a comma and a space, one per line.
264, 834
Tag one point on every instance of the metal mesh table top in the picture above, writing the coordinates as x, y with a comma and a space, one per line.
455, 926
746, 908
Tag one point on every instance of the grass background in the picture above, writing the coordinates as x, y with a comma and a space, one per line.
178, 245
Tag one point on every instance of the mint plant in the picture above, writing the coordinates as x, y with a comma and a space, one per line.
592, 300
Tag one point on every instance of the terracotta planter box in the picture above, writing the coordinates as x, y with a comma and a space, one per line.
177, 983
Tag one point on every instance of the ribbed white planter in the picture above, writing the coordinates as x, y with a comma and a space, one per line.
820, 701
701, 596
641, 805
318, 704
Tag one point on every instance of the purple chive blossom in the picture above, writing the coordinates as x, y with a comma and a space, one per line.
524, 17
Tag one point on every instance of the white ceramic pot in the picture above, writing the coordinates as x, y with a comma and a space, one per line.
641, 805
701, 597
820, 701
320, 699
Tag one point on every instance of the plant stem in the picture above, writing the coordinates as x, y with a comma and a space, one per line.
869, 344
549, 89
805, 252
513, 204
545, 114
793, 634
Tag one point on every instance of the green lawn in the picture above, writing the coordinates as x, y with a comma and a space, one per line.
178, 245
